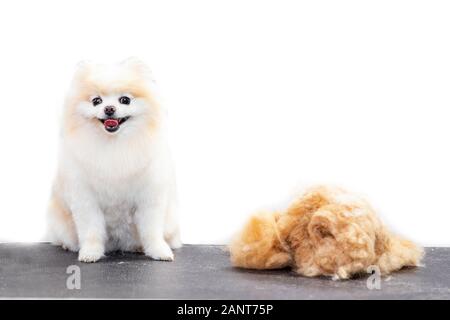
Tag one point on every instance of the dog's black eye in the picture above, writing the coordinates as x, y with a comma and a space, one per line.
97, 101
124, 100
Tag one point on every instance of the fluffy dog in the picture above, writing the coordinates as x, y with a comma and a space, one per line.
115, 184
325, 231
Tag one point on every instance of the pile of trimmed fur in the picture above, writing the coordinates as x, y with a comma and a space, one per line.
326, 231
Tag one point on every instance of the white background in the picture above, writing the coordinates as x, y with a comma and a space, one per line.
263, 96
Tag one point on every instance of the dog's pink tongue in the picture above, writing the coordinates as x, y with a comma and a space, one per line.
111, 123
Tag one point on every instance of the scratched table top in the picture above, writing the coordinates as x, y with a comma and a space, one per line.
198, 272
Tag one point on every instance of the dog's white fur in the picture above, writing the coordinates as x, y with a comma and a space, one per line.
114, 191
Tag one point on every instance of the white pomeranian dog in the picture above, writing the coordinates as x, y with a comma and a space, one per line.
115, 184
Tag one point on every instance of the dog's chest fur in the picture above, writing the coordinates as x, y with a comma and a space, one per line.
117, 176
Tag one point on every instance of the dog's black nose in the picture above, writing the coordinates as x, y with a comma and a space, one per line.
109, 110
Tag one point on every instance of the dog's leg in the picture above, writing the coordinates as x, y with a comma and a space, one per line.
172, 228
61, 228
90, 225
150, 217
174, 239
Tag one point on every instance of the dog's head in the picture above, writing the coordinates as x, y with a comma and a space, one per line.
111, 99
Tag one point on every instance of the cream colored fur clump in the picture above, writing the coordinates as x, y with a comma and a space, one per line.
325, 231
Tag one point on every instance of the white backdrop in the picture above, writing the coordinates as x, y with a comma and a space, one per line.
263, 96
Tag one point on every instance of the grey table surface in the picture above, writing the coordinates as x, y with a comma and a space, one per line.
198, 272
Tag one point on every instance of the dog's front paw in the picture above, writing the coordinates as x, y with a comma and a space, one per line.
90, 253
159, 251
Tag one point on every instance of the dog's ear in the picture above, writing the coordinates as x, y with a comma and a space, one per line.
139, 66
132, 61
83, 64
82, 69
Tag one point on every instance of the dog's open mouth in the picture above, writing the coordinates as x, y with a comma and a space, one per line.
113, 124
